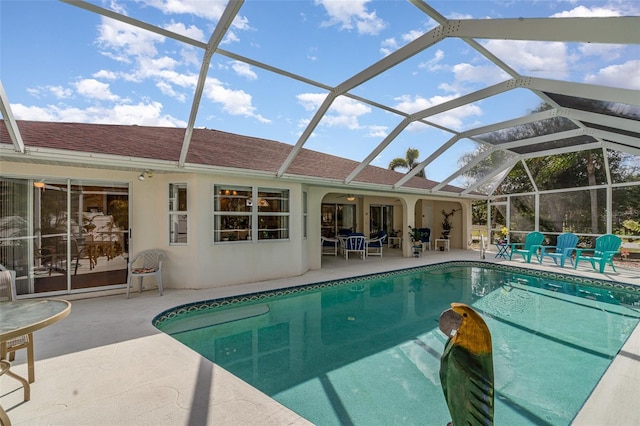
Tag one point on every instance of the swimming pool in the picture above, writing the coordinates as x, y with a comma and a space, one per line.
367, 350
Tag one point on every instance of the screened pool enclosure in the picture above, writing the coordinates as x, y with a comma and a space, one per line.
556, 147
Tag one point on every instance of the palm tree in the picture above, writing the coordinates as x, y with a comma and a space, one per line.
410, 162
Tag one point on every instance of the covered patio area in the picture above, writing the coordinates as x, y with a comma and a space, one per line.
106, 364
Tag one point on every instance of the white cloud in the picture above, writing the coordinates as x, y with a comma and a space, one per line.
167, 89
626, 76
311, 101
412, 35
192, 31
60, 92
94, 89
352, 14
120, 41
148, 114
586, 12
465, 74
453, 118
378, 132
230, 37
234, 102
211, 10
244, 70
388, 46
546, 59
105, 75
344, 112
433, 64
34, 113
607, 52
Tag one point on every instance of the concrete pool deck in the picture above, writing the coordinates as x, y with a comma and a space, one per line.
106, 364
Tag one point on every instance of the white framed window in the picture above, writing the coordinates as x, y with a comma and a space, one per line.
305, 215
246, 213
273, 214
178, 214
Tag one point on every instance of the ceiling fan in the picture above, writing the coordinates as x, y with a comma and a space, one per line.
349, 197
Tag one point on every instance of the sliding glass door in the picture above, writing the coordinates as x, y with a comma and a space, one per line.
62, 235
336, 217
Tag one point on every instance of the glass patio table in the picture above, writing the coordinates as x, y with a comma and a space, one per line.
24, 317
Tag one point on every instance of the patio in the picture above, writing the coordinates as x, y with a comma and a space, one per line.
106, 364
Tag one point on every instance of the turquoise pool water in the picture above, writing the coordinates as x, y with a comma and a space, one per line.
366, 350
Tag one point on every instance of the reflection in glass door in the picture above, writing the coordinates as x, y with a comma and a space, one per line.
336, 217
381, 219
63, 235
99, 243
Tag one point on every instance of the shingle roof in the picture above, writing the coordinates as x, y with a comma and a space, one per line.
208, 148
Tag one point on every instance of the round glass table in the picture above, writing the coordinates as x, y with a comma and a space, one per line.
22, 317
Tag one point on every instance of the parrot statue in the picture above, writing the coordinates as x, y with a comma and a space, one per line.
466, 366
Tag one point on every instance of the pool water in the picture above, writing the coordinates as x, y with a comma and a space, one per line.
367, 350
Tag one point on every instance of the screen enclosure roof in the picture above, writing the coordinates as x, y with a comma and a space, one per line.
513, 93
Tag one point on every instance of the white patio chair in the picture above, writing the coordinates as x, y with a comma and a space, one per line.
151, 266
8, 294
355, 243
330, 246
374, 245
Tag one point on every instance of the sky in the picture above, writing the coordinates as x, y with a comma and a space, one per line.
62, 63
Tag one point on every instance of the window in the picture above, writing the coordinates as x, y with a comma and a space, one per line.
305, 215
178, 216
273, 214
243, 213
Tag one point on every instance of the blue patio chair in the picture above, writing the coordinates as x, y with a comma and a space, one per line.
374, 245
607, 246
564, 247
355, 243
531, 244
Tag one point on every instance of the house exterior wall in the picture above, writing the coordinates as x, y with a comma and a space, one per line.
200, 263
203, 263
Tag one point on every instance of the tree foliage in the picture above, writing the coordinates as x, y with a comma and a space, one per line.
410, 162
566, 211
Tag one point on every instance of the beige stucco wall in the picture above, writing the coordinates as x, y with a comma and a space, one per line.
202, 263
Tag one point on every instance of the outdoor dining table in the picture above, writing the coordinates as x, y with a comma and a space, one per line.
21, 317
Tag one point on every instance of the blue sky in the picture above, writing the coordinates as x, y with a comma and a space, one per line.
61, 63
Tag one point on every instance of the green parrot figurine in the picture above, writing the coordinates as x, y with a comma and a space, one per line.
466, 366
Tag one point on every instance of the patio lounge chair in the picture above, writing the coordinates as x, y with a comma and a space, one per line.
8, 294
355, 243
374, 245
564, 247
606, 247
330, 246
530, 246
151, 265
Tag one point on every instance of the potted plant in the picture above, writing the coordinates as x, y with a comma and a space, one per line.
415, 235
504, 232
446, 224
